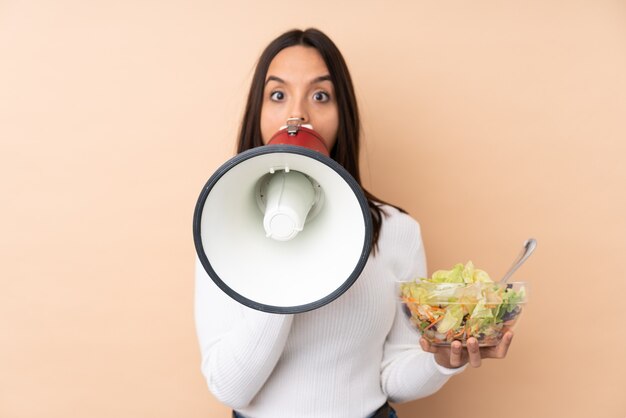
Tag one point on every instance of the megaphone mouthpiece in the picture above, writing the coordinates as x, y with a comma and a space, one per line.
300, 135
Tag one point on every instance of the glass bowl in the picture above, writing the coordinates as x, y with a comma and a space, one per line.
445, 312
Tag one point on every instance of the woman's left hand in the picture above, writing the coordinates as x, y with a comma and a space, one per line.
455, 355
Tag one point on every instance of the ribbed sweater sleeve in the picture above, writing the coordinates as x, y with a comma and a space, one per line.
239, 346
407, 371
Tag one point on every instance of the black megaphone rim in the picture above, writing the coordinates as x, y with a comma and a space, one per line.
289, 149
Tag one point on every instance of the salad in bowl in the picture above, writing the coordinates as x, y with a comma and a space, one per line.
461, 303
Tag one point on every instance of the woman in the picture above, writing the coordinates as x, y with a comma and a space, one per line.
350, 357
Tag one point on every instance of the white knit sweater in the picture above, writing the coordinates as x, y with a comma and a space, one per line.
343, 360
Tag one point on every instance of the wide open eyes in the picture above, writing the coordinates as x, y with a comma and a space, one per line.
319, 96
277, 96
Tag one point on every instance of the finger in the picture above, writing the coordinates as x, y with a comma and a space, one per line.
504, 345
426, 346
456, 354
473, 351
498, 351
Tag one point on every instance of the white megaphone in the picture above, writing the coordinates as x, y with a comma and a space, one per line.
283, 228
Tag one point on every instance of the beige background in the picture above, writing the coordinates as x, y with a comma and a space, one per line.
488, 121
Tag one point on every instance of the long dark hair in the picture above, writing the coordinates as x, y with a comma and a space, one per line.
346, 148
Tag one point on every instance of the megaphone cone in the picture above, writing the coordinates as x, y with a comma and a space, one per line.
283, 228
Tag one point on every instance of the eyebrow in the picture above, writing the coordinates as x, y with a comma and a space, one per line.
325, 77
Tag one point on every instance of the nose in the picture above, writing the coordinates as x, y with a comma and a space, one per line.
299, 112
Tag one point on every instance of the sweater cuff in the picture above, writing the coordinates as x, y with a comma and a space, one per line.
446, 371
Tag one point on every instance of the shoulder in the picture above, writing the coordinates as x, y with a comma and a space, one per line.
400, 244
399, 225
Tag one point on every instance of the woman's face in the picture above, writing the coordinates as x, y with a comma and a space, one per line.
298, 85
